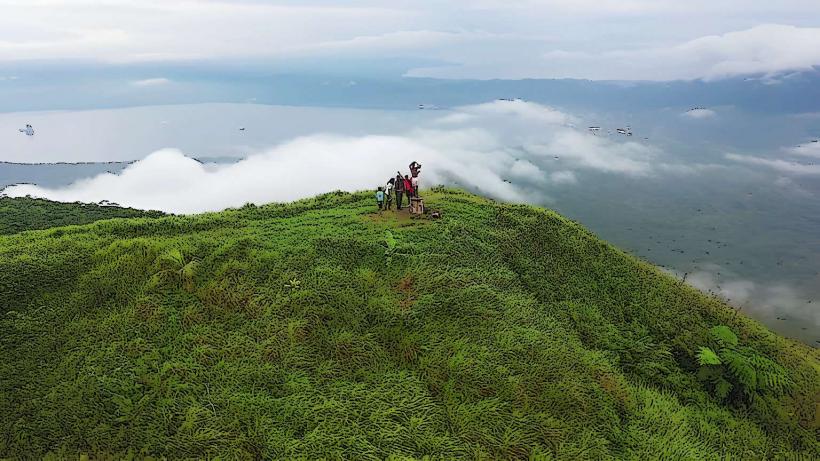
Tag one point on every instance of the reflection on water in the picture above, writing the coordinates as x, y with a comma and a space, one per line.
749, 233
755, 243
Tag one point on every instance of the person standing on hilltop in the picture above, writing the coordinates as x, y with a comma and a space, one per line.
388, 192
415, 169
408, 187
399, 190
380, 199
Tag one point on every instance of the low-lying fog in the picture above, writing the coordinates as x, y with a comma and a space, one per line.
731, 198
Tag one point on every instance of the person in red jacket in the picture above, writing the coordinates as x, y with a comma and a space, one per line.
408, 187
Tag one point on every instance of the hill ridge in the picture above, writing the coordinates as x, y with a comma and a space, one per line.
300, 330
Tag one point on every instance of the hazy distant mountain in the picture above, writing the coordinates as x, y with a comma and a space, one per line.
84, 85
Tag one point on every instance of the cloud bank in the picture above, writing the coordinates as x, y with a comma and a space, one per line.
811, 149
764, 299
799, 160
504, 149
769, 50
609, 39
699, 114
159, 81
764, 49
784, 166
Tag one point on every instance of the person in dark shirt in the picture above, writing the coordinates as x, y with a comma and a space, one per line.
399, 187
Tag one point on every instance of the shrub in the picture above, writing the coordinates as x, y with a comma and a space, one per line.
733, 371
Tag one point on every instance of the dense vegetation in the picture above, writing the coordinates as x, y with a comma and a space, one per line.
322, 329
19, 214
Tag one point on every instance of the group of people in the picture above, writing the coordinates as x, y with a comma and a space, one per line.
400, 186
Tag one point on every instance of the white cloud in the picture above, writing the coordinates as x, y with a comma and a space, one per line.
526, 171
563, 177
689, 168
610, 39
784, 182
181, 29
811, 149
389, 43
699, 114
784, 166
456, 118
151, 82
737, 291
170, 181
766, 49
764, 300
582, 149
506, 149
523, 110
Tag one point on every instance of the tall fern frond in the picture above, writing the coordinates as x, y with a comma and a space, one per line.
722, 388
770, 375
740, 369
389, 239
172, 259
174, 268
188, 272
707, 356
723, 335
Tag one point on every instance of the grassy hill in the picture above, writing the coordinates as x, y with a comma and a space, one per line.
322, 329
24, 213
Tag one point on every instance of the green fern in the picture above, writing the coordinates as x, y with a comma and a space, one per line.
389, 239
707, 356
740, 369
174, 268
770, 375
722, 388
391, 242
723, 335
293, 284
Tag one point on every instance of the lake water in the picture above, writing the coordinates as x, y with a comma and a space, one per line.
748, 230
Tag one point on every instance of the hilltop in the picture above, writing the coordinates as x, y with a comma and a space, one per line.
25, 213
320, 328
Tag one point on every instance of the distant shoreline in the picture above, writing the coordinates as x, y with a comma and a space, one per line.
124, 162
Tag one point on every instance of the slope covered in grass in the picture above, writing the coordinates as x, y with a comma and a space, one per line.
321, 329
24, 213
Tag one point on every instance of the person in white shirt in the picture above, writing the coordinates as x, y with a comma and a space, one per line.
388, 190
415, 169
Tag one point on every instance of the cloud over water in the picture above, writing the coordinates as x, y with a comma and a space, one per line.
504, 149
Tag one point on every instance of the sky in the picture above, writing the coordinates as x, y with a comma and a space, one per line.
476, 39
